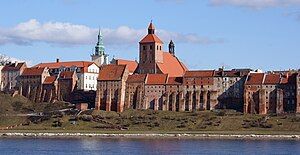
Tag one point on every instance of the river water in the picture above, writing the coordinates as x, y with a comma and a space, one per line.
40, 146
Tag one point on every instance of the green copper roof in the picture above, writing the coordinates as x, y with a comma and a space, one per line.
99, 48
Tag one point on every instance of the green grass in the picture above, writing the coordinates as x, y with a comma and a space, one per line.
149, 121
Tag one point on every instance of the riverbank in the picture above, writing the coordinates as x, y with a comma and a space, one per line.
149, 135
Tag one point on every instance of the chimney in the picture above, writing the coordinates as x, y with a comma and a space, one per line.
57, 60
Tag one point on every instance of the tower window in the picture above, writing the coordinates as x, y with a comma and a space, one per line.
159, 47
144, 48
150, 47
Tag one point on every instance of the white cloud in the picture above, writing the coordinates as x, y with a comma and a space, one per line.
256, 4
67, 34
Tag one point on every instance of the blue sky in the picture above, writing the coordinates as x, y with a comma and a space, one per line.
262, 34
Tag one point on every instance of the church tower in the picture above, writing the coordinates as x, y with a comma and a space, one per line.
150, 52
99, 57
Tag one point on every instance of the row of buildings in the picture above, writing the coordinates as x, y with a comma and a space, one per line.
158, 80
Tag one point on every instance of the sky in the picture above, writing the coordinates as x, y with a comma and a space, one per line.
208, 34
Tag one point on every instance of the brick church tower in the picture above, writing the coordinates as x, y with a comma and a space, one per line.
150, 52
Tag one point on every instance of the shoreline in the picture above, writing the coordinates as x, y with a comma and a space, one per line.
150, 136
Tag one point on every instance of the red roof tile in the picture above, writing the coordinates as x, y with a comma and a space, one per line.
56, 65
50, 80
131, 65
111, 72
156, 79
136, 78
14, 67
66, 74
34, 71
175, 80
272, 79
171, 65
255, 79
151, 26
200, 73
151, 38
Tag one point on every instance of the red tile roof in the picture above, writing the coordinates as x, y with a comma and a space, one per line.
200, 73
111, 72
34, 71
66, 74
151, 38
131, 65
175, 81
14, 67
56, 65
272, 79
151, 26
171, 65
255, 79
136, 78
156, 79
50, 80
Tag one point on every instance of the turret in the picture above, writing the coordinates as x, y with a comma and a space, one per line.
171, 48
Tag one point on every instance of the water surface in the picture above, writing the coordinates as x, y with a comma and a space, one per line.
145, 146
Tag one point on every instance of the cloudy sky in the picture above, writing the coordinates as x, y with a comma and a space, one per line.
208, 34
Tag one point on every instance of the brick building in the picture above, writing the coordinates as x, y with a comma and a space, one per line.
110, 95
9, 74
271, 93
87, 72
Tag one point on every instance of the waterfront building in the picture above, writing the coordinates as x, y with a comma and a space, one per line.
9, 75
87, 72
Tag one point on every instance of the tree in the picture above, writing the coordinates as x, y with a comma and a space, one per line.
4, 59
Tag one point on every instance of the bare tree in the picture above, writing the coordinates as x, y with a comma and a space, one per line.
4, 59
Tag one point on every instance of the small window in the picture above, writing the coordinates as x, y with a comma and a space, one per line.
150, 47
144, 48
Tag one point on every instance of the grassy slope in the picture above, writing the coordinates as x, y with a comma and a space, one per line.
149, 121
136, 121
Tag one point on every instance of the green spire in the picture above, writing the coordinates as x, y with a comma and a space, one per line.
99, 48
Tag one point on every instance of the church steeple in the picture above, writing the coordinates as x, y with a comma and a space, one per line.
151, 28
100, 57
99, 48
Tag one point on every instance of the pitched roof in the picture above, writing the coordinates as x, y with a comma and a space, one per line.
13, 66
171, 65
151, 38
175, 80
131, 65
55, 65
255, 79
156, 79
151, 26
111, 72
50, 80
272, 79
34, 71
135, 78
199, 73
66, 74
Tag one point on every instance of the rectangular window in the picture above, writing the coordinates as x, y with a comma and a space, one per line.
144, 48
